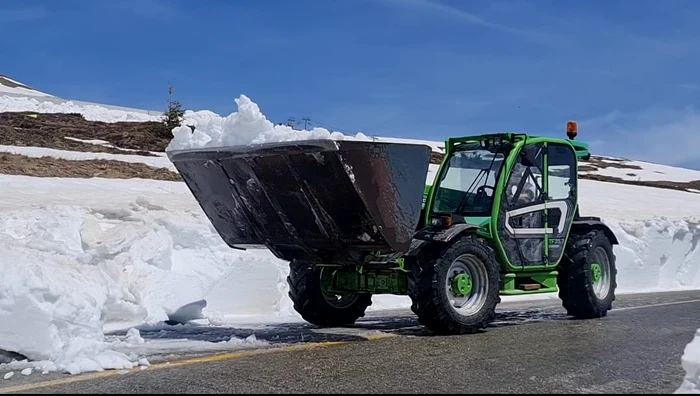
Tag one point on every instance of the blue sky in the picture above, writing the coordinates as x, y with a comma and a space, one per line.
628, 71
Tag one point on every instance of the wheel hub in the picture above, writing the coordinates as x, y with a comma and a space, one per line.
596, 272
462, 285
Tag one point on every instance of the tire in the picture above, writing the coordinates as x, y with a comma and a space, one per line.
430, 287
313, 304
582, 295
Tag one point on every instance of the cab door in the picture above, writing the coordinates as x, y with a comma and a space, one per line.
522, 215
562, 194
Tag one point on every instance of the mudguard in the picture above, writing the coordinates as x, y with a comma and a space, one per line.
584, 224
445, 234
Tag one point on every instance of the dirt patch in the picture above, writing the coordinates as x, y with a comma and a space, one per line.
15, 164
599, 163
50, 131
670, 185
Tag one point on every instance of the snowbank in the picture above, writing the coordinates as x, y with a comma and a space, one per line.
69, 272
87, 256
691, 364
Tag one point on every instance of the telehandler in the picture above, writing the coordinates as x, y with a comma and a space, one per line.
356, 219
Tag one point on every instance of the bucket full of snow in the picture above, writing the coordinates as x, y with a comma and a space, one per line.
310, 200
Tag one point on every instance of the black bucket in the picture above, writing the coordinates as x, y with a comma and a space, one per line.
317, 200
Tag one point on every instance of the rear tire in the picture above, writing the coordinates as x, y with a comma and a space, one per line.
588, 276
433, 288
315, 306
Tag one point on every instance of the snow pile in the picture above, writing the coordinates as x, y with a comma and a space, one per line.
247, 126
691, 364
71, 272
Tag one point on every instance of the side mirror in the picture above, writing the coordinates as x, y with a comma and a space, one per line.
524, 160
528, 157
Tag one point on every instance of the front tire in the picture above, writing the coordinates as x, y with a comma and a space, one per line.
456, 290
588, 276
318, 308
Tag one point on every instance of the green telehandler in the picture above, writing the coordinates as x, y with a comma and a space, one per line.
355, 219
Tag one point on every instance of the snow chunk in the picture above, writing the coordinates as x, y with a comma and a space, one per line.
9, 375
188, 312
133, 336
691, 364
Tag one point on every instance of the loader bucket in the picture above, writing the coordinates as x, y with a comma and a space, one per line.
314, 200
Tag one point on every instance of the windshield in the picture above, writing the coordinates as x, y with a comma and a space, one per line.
469, 180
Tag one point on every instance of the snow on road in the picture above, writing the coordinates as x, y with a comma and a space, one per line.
86, 256
691, 365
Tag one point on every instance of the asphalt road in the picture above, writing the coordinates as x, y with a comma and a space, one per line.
536, 349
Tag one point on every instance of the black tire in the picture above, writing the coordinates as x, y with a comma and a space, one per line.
311, 303
577, 289
429, 292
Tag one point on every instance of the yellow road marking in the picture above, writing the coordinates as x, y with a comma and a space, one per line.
184, 362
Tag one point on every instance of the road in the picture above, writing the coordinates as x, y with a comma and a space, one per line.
532, 348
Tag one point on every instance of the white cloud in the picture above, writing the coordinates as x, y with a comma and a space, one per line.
661, 135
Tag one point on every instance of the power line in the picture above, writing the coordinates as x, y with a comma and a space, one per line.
292, 122
306, 120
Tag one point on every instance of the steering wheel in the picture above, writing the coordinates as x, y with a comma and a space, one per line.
481, 191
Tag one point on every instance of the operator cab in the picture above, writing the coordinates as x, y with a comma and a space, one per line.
467, 182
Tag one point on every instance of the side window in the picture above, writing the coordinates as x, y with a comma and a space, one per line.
525, 186
559, 177
561, 169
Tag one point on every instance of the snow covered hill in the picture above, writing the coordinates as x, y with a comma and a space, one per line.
11, 87
88, 255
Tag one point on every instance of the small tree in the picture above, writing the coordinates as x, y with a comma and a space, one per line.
172, 117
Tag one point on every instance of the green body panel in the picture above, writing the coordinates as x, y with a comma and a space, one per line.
547, 282
359, 280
